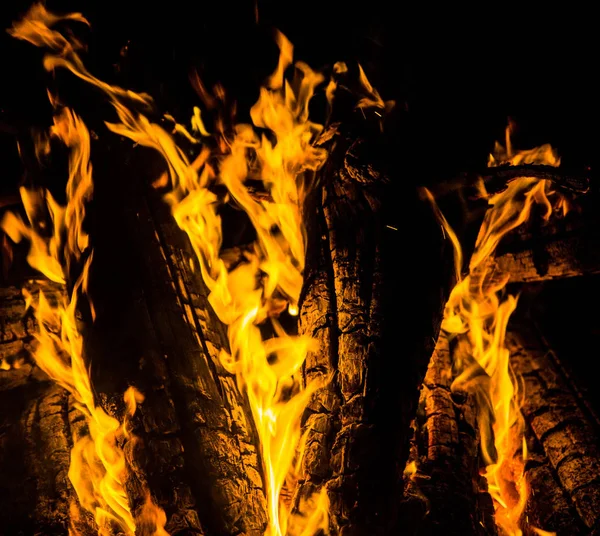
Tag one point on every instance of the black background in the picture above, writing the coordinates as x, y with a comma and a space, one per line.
457, 73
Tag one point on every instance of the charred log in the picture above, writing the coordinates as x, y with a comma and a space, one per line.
373, 357
444, 492
38, 423
196, 450
495, 179
568, 470
564, 247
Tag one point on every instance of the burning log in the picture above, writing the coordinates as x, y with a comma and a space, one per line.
564, 247
444, 491
372, 354
37, 438
191, 449
565, 472
495, 178
196, 450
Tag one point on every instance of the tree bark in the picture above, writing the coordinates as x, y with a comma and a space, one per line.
566, 470
38, 421
564, 247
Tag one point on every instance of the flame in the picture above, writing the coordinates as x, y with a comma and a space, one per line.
270, 278
477, 314
541, 532
280, 163
98, 469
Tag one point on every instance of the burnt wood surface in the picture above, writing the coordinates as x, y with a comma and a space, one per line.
564, 470
538, 250
377, 278
495, 179
563, 247
444, 492
197, 449
378, 274
446, 495
38, 422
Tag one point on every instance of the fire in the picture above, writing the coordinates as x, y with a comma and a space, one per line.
270, 280
98, 468
477, 314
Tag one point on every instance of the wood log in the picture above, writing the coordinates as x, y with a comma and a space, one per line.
565, 475
444, 492
564, 247
197, 449
374, 298
495, 179
538, 250
37, 423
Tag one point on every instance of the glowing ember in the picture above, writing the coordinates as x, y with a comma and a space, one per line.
477, 314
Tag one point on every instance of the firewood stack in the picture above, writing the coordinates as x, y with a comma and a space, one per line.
386, 470
387, 435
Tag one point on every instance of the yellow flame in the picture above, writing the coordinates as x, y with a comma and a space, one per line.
410, 469
98, 469
97, 464
36, 28
269, 279
271, 276
478, 313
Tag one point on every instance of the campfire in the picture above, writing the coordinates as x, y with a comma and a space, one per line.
245, 320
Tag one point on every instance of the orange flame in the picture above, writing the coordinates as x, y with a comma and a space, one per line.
478, 313
98, 469
270, 279
271, 276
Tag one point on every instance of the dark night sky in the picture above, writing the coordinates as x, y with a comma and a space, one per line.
457, 73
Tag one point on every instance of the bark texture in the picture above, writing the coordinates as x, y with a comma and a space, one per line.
564, 247
567, 435
374, 298
197, 448
444, 492
37, 424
